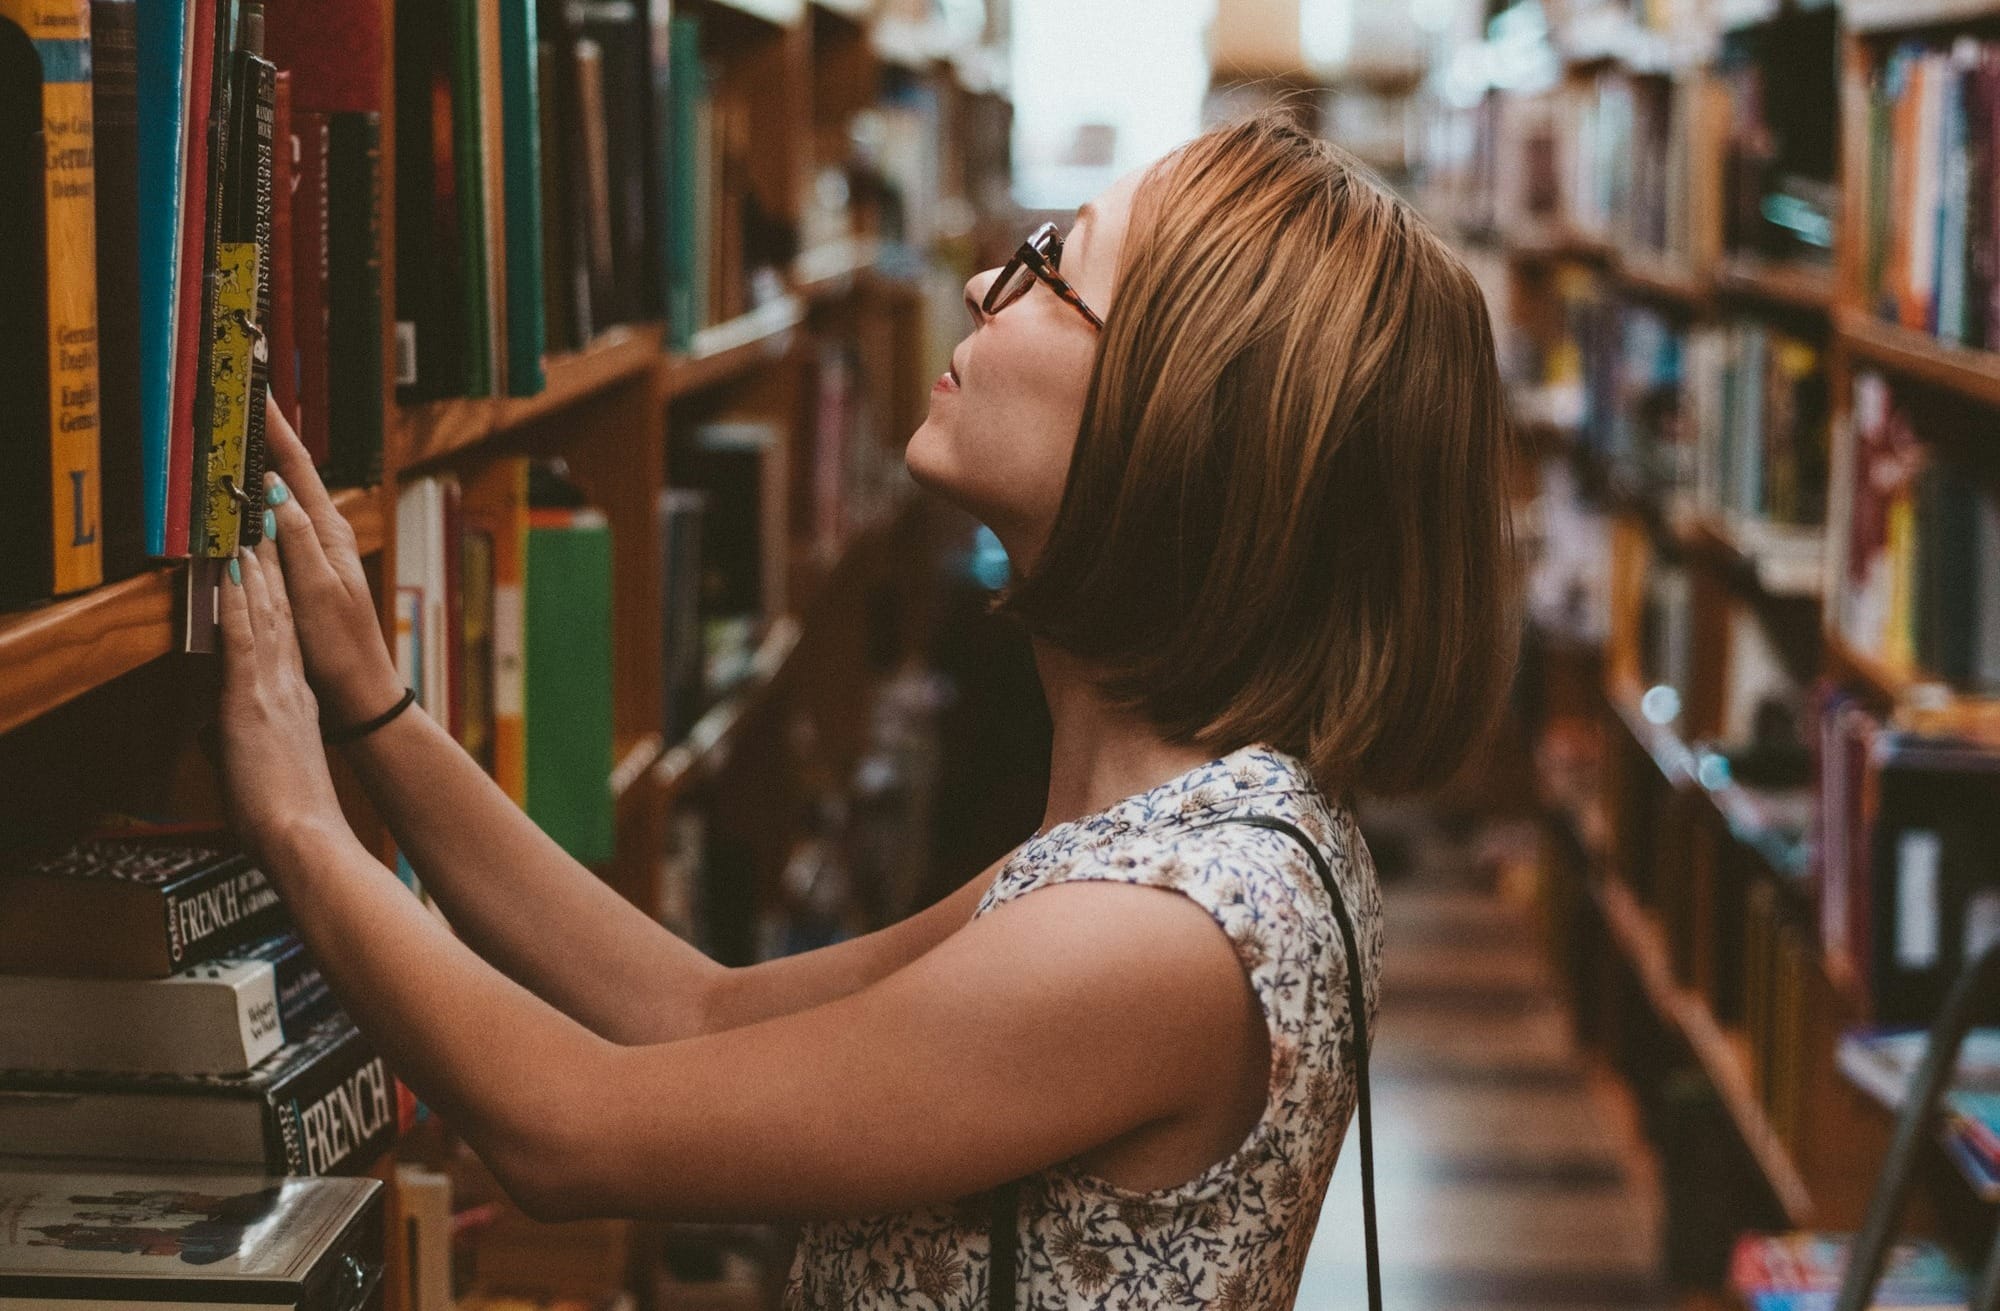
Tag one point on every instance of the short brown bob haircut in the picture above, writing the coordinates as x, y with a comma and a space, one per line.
1286, 518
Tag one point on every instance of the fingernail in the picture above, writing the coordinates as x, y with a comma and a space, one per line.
235, 571
275, 493
270, 523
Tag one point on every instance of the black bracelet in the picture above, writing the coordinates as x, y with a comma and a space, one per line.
356, 731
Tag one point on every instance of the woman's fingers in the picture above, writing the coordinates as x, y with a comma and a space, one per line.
297, 536
257, 593
272, 571
238, 640
292, 462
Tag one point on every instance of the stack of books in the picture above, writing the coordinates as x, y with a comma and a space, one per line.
156, 1008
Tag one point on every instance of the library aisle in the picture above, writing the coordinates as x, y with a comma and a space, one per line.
1507, 1170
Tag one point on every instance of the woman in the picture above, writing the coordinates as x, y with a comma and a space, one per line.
1241, 433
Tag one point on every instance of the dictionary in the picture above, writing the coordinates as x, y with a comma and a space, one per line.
121, 1239
323, 1104
131, 909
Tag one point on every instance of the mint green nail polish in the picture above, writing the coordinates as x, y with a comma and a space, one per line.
235, 571
276, 493
270, 523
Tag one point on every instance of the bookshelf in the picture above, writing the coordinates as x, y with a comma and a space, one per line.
851, 560
1681, 738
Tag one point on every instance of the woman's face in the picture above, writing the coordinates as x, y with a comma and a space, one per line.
1004, 418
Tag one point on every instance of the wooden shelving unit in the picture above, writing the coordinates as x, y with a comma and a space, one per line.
1874, 16
1806, 287
1720, 1053
57, 652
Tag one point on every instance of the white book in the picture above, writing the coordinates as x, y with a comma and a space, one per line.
217, 1018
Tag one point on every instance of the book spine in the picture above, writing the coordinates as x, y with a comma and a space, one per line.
260, 80
60, 30
229, 904
163, 39
283, 319
469, 182
354, 294
304, 997
216, 131
527, 329
337, 1114
121, 433
229, 349
309, 286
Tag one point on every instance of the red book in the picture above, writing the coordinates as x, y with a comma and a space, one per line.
309, 275
454, 607
334, 51
284, 341
187, 311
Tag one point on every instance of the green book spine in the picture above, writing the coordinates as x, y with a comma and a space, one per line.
527, 328
685, 87
469, 161
568, 680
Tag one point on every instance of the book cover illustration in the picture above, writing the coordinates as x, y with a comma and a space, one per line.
148, 1226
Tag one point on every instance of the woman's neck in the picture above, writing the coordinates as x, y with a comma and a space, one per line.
1099, 755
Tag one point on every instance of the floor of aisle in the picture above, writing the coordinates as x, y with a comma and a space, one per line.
1509, 1173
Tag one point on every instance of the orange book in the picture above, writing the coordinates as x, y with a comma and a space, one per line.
494, 506
66, 249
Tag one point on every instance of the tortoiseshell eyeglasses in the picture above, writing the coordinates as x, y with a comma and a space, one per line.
1039, 257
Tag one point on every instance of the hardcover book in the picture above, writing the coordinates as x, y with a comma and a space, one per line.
324, 1103
48, 281
131, 910
103, 1240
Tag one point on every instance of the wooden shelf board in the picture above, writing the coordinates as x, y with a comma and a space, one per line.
1671, 756
1974, 374
682, 764
1790, 283
618, 355
634, 761
828, 270
1548, 244
60, 650
731, 348
1654, 276
1902, 15
1720, 1053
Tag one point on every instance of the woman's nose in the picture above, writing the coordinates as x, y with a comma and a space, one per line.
975, 295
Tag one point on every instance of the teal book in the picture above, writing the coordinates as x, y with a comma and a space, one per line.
521, 183
568, 679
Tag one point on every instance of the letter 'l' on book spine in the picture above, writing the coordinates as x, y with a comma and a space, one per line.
60, 32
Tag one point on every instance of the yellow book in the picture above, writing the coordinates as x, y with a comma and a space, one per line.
1899, 650
60, 30
230, 365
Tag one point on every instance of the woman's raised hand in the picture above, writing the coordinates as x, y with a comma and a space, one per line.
339, 635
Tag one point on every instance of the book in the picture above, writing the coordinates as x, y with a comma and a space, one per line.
165, 44
310, 269
495, 510
222, 273
283, 323
568, 717
249, 203
323, 1103
679, 514
220, 1017
355, 413
1801, 1272
49, 536
130, 909
521, 170
114, 84
129, 1239
435, 338
423, 1199
190, 275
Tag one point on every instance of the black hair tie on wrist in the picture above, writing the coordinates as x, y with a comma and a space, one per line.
356, 731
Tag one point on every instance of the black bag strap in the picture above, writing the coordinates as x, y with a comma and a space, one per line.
1003, 1227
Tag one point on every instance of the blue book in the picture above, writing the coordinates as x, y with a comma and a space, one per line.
163, 72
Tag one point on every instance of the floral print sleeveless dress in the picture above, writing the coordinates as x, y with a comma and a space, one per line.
1234, 1236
